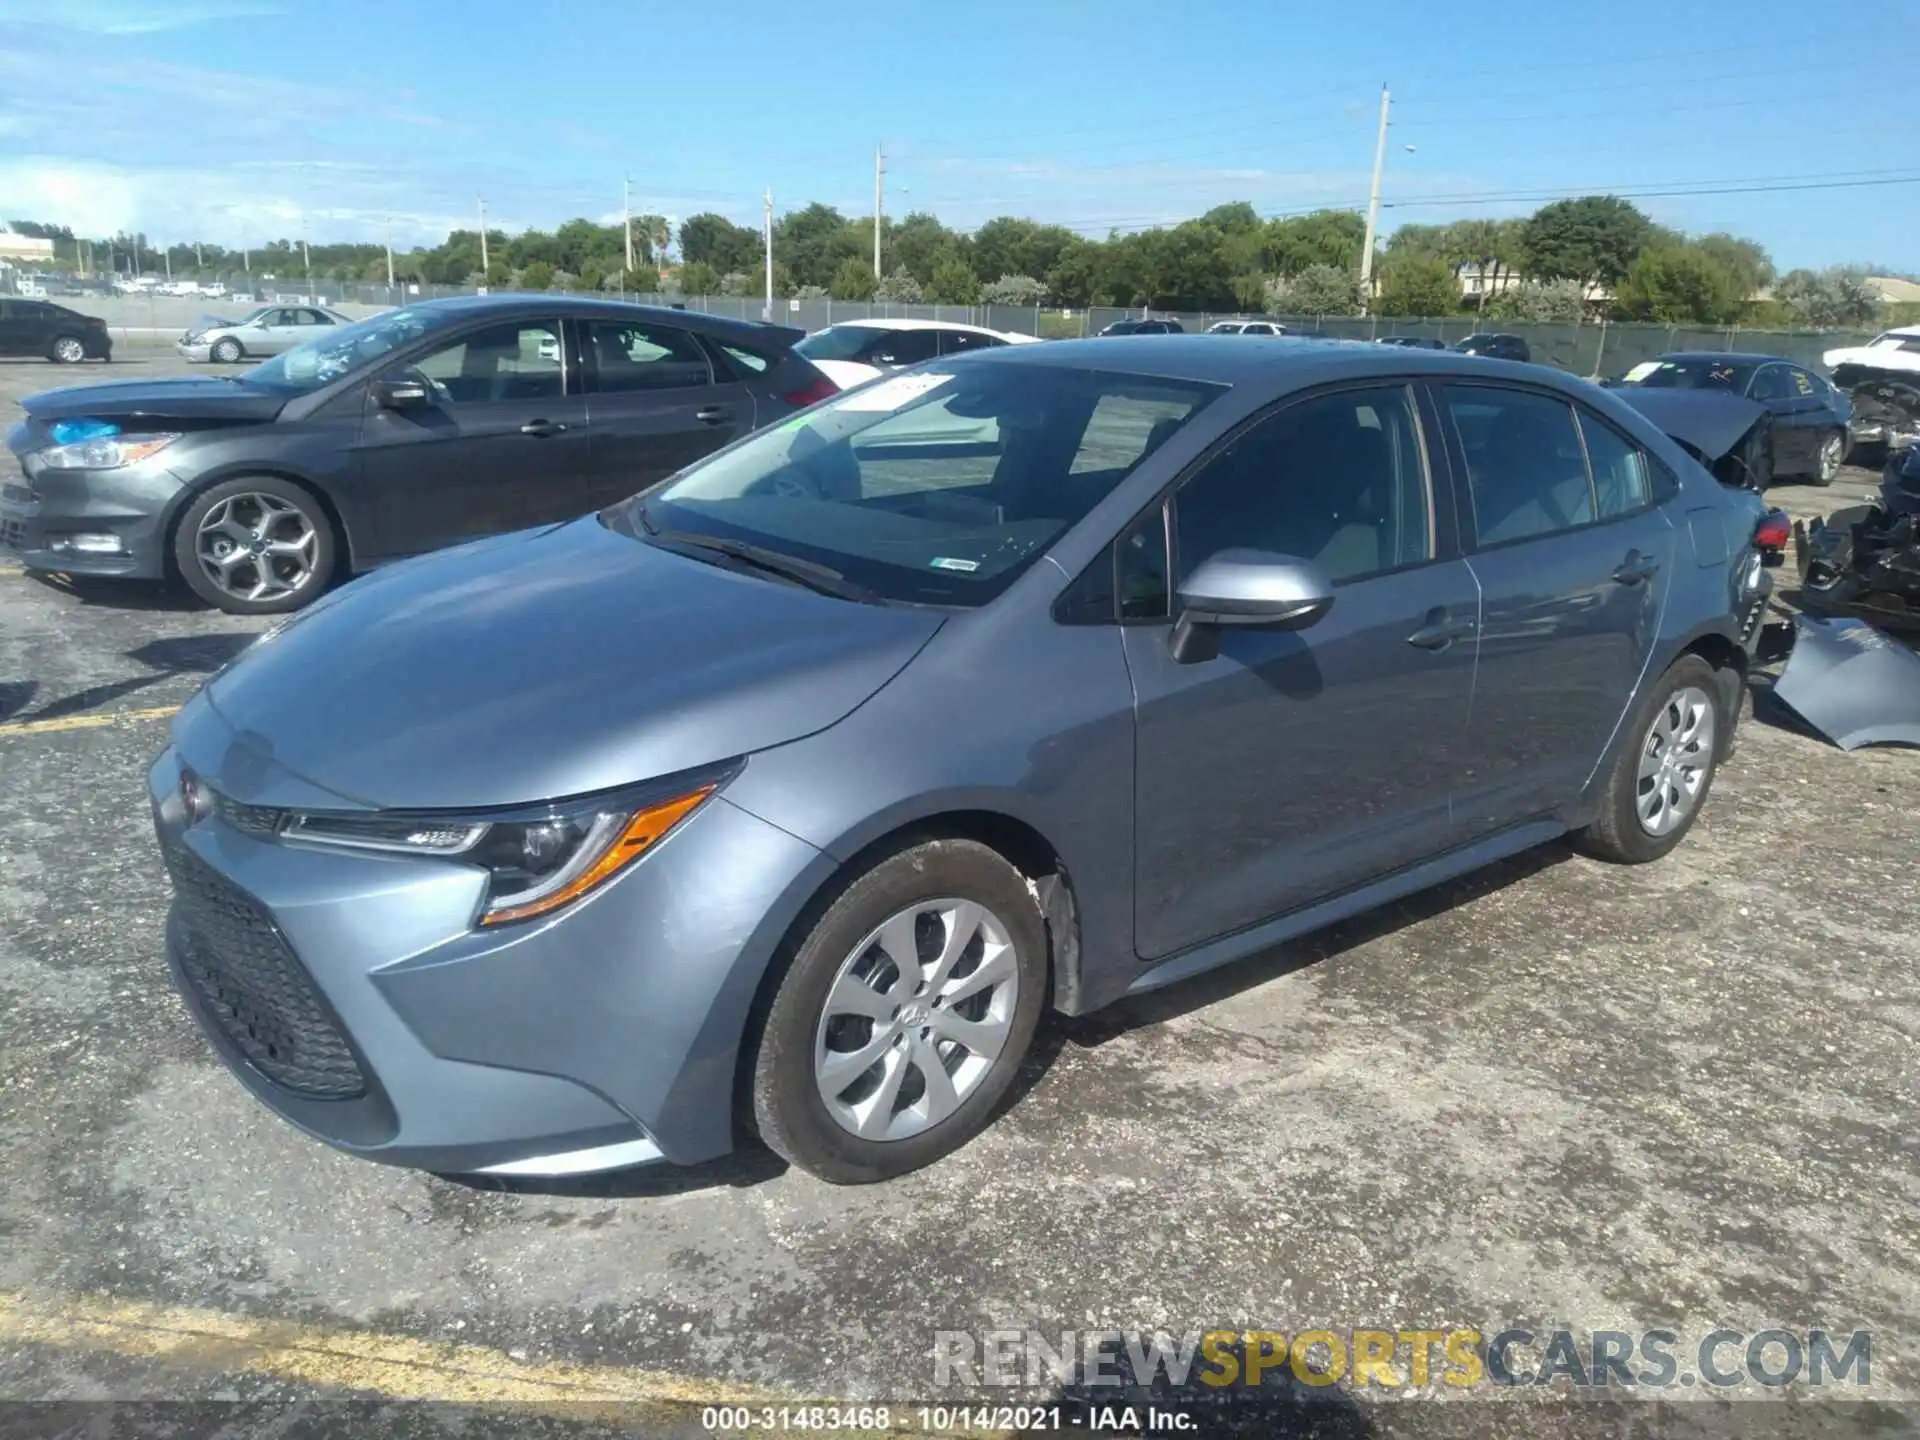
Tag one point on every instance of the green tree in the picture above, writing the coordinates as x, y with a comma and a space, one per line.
1326, 237
1319, 289
1829, 299
1678, 285
812, 243
710, 239
1746, 260
697, 277
919, 243
1560, 302
1079, 276
537, 276
900, 288
953, 283
1592, 240
1417, 285
853, 280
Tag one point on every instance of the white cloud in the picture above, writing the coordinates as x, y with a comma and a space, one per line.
127, 17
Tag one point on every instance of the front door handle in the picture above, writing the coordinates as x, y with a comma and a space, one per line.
1636, 568
540, 429
1440, 629
713, 414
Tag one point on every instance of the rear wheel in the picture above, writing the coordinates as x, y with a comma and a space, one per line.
1831, 455
904, 1014
67, 350
226, 350
1661, 776
257, 546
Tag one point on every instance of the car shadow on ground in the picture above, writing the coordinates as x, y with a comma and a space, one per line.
163, 596
163, 659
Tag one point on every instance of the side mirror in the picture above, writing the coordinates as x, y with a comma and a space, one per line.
401, 394
1252, 588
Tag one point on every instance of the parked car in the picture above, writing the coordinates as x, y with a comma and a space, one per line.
856, 351
796, 787
1413, 342
1495, 347
53, 332
1810, 416
412, 430
1245, 327
268, 330
1881, 381
1145, 327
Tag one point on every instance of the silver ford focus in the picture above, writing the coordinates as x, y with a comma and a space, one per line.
784, 798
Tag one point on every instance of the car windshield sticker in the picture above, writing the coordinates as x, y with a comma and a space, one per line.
943, 562
892, 393
1642, 370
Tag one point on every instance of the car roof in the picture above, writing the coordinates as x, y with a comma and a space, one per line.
1727, 357
543, 304
1303, 362
897, 322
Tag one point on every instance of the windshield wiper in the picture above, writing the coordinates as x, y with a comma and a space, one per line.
822, 579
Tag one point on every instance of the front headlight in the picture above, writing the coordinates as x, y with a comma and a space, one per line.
104, 452
536, 861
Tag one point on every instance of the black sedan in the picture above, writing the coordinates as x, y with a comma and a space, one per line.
419, 428
1166, 326
47, 331
1809, 415
1495, 347
1413, 342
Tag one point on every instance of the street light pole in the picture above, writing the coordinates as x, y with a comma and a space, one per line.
389, 252
1373, 200
626, 211
879, 184
767, 313
484, 266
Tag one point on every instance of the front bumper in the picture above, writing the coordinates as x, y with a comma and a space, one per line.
605, 1037
43, 520
201, 351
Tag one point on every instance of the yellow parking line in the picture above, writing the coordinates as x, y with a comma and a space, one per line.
86, 722
391, 1365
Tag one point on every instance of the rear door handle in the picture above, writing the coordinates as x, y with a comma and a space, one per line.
1636, 568
539, 429
712, 414
1440, 629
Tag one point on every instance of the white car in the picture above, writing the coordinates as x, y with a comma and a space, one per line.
1893, 350
856, 351
1882, 378
1248, 327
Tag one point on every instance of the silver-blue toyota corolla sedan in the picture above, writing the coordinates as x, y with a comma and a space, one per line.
784, 798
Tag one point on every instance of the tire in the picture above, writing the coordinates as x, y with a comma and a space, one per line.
227, 351
1830, 456
911, 898
67, 350
252, 514
1666, 713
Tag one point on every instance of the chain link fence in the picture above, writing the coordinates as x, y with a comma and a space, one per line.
1593, 349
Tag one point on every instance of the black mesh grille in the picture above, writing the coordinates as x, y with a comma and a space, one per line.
251, 985
13, 533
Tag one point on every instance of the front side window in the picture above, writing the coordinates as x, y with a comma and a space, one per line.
645, 357
928, 488
1338, 479
1619, 471
1526, 468
1769, 384
519, 360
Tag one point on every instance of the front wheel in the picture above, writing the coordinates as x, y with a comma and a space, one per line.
226, 351
1661, 775
1832, 454
904, 1015
256, 546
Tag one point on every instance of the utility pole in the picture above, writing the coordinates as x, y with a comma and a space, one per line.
483, 245
1373, 203
879, 182
306, 255
168, 255
626, 211
389, 252
767, 313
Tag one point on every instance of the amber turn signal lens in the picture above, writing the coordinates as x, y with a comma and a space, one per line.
639, 833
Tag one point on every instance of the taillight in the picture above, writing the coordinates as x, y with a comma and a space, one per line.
812, 393
1773, 531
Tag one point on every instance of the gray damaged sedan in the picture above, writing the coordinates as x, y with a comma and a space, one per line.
268, 330
783, 799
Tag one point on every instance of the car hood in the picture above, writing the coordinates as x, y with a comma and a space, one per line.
1880, 357
541, 665
1711, 423
196, 399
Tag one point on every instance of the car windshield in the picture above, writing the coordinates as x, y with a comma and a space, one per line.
334, 352
838, 342
932, 487
1690, 375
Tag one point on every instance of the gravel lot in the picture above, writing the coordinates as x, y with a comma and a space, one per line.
1557, 1094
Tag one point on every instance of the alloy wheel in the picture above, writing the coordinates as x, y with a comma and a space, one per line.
1832, 453
915, 1019
69, 351
257, 547
1674, 761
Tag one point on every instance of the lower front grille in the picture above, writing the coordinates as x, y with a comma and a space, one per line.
13, 533
254, 989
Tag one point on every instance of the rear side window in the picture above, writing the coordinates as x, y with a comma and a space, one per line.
633, 357
746, 360
1526, 467
1619, 470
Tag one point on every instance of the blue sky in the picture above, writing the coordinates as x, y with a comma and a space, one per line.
230, 120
